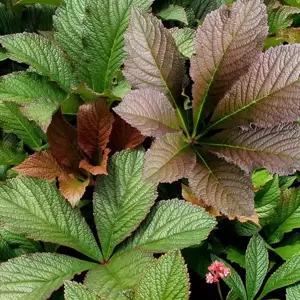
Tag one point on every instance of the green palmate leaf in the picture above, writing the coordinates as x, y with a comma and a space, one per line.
222, 185
184, 39
107, 50
274, 148
286, 218
36, 276
121, 199
34, 207
167, 278
256, 265
171, 225
76, 291
45, 57
24, 2
287, 274
11, 154
293, 292
289, 247
266, 201
120, 274
173, 12
227, 42
234, 281
260, 177
153, 58
170, 158
13, 121
149, 111
18, 87
258, 96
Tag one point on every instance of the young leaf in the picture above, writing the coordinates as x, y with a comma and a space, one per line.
167, 278
293, 292
42, 55
153, 58
149, 111
36, 276
184, 39
172, 224
286, 274
257, 262
275, 148
286, 218
76, 291
170, 158
227, 43
173, 12
12, 121
99, 169
121, 199
11, 154
223, 186
34, 207
258, 97
17, 87
121, 273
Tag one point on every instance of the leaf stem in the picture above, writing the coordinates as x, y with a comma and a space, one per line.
219, 291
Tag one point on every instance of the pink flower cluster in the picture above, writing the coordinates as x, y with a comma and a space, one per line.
217, 270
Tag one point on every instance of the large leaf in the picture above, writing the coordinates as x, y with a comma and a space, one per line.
18, 87
285, 275
76, 291
222, 185
34, 207
293, 292
36, 276
153, 58
257, 262
42, 55
171, 225
121, 199
286, 218
104, 49
226, 44
12, 120
267, 95
167, 278
274, 148
120, 274
149, 111
170, 158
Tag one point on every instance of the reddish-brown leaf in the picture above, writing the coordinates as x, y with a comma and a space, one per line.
40, 164
72, 188
124, 136
62, 138
96, 170
94, 122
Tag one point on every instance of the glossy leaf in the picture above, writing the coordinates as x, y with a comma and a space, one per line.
36, 276
121, 199
35, 208
167, 278
149, 111
76, 291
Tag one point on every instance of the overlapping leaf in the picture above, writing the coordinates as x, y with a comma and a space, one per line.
293, 292
11, 154
267, 95
277, 148
76, 291
227, 42
223, 186
173, 12
184, 39
149, 111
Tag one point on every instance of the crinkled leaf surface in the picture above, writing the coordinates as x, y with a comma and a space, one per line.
267, 95
222, 185
121, 199
286, 274
167, 278
76, 291
47, 58
153, 58
184, 39
172, 224
34, 207
286, 217
227, 42
274, 148
120, 274
36, 276
293, 292
149, 111
170, 158
257, 262
173, 12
